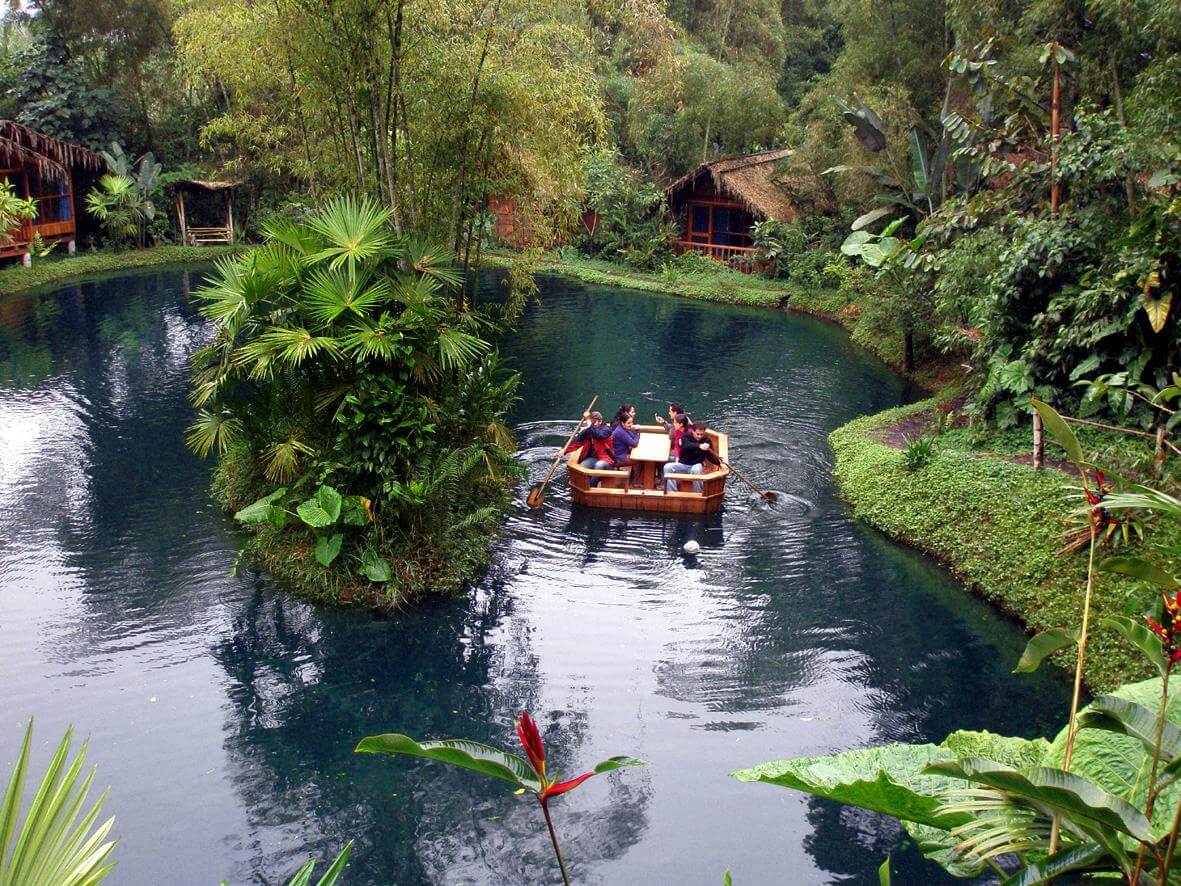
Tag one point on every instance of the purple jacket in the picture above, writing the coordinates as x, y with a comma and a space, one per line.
623, 441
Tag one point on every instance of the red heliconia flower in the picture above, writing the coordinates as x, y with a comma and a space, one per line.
1167, 629
530, 737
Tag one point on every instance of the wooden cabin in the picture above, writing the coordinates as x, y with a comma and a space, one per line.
716, 205
43, 168
512, 225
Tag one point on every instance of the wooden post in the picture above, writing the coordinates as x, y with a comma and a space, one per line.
1055, 107
1039, 440
230, 215
180, 215
1159, 458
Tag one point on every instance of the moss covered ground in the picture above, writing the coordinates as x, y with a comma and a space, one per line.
996, 524
67, 268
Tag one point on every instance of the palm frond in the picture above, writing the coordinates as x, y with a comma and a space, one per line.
330, 293
457, 349
213, 429
290, 346
281, 460
432, 261
353, 232
301, 239
365, 339
52, 844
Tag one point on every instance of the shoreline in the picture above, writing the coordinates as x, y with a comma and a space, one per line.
17, 280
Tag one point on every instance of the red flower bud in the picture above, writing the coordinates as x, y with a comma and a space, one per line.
530, 738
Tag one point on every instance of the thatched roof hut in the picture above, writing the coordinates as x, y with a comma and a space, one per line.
717, 203
42, 168
52, 158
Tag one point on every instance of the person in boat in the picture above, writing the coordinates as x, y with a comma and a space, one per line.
624, 438
670, 424
678, 428
627, 410
696, 450
593, 445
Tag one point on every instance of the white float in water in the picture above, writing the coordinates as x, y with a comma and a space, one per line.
691, 547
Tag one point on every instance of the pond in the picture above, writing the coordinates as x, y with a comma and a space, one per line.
223, 713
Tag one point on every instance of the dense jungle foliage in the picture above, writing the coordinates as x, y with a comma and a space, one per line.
938, 117
992, 186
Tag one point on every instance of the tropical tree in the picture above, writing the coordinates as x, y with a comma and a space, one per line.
342, 355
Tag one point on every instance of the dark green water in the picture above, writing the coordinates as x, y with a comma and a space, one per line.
223, 713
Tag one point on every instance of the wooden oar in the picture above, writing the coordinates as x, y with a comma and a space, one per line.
763, 494
537, 494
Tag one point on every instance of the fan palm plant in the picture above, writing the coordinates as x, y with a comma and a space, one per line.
120, 207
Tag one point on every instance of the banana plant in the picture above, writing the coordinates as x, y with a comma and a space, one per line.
526, 776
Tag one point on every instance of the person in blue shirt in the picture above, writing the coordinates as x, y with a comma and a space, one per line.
624, 439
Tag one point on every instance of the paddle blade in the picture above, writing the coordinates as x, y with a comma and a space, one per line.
770, 496
536, 496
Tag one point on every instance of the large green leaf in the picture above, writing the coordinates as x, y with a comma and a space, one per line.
1053, 791
1043, 645
328, 548
375, 567
460, 752
1059, 430
943, 848
258, 511
888, 779
1137, 633
1138, 568
322, 509
1118, 763
868, 218
1015, 752
1065, 861
1125, 717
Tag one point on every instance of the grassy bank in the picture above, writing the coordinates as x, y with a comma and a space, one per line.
726, 286
66, 268
996, 524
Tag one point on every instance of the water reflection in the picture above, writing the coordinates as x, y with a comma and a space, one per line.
793, 631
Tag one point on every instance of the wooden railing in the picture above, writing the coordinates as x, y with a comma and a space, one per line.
738, 257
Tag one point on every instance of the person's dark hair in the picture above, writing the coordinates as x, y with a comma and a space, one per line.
681, 419
620, 414
677, 408
700, 426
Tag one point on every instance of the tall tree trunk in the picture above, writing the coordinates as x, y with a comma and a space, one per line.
1055, 109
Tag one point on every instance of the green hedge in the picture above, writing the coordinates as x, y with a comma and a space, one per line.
997, 525
65, 268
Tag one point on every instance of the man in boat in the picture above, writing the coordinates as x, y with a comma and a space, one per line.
695, 452
594, 441
674, 409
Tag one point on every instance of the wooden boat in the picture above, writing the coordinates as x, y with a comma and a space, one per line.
640, 490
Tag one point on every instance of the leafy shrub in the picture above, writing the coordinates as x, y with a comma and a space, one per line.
919, 451
632, 227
